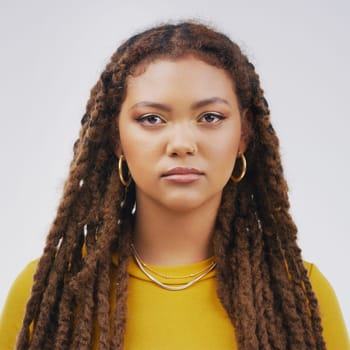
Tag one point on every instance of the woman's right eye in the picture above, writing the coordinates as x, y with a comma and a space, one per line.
150, 119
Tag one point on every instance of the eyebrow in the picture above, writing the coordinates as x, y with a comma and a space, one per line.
209, 101
195, 105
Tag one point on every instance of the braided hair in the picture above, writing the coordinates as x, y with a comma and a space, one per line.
261, 280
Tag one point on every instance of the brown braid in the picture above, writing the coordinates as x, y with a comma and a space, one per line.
261, 280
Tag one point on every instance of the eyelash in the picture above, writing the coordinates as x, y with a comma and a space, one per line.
145, 119
218, 117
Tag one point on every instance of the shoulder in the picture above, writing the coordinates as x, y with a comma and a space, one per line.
22, 285
14, 308
24, 280
334, 329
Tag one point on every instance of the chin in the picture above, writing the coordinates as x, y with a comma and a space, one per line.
183, 207
185, 203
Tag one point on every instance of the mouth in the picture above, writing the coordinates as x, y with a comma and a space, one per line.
182, 175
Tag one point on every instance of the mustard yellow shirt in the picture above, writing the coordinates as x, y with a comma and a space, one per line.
166, 320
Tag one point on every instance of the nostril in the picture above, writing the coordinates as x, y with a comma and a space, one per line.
181, 150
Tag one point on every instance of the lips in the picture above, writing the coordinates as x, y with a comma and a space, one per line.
182, 175
182, 171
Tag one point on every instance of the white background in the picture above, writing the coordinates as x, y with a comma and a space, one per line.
52, 53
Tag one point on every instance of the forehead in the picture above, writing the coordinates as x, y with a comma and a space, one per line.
188, 75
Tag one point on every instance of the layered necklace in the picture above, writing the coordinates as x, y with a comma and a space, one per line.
151, 274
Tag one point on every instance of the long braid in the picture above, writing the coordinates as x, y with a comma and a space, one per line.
257, 258
84, 316
64, 323
275, 329
244, 300
222, 241
103, 305
299, 290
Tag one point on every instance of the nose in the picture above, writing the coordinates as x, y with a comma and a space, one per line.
181, 141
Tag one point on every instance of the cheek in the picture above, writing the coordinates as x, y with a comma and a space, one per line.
128, 137
224, 152
225, 157
137, 150
136, 147
226, 143
128, 143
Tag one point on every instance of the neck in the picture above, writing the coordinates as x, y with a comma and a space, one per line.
168, 238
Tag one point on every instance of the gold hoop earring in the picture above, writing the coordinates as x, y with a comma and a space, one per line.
244, 169
120, 171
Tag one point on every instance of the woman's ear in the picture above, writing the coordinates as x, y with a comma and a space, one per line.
246, 130
118, 150
114, 141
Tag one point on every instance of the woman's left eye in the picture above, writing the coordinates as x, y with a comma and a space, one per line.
211, 118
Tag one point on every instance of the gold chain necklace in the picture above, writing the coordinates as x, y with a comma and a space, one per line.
181, 286
154, 272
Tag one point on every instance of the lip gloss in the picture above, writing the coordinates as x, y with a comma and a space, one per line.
182, 178
182, 175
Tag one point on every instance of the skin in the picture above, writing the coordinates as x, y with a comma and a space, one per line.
182, 114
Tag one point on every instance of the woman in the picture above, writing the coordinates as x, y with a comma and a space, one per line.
174, 229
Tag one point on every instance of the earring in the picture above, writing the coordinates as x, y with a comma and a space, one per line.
120, 170
244, 169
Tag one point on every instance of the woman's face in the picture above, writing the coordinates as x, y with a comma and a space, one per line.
180, 132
